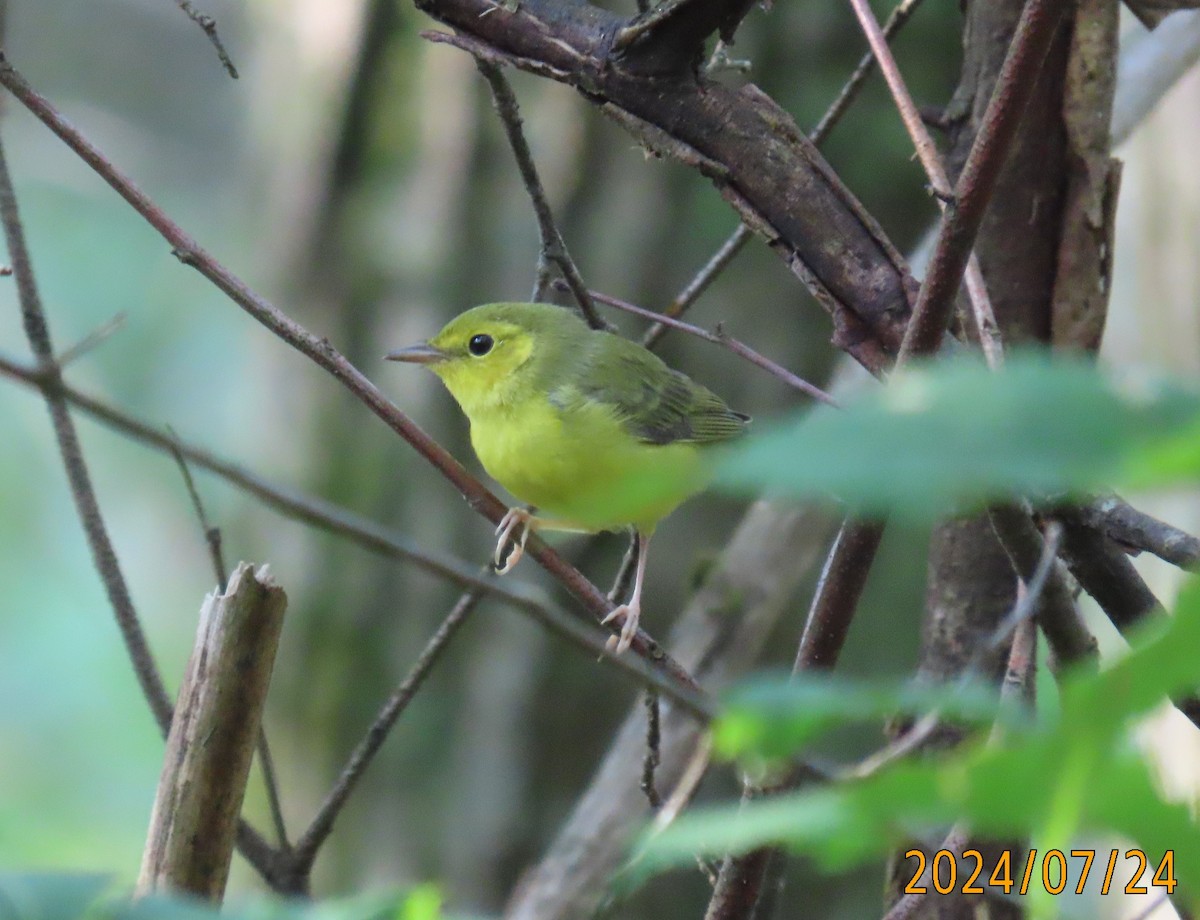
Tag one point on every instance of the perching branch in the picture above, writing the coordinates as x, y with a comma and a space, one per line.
194, 821
553, 249
322, 352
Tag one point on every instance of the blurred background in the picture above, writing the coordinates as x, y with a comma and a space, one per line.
357, 177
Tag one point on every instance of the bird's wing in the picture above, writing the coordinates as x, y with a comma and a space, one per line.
656, 404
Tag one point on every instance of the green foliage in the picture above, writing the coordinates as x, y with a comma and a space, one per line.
1076, 771
953, 435
53, 896
771, 718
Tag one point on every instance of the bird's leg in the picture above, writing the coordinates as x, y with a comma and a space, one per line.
516, 519
633, 609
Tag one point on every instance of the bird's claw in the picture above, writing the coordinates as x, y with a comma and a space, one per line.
629, 627
516, 518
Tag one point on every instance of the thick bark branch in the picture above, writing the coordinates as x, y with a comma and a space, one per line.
748, 146
194, 822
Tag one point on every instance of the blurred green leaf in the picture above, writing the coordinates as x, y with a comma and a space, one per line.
954, 433
64, 896
49, 896
776, 716
1079, 772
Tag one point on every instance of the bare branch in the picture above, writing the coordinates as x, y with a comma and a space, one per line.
838, 590
737, 240
849, 92
699, 284
321, 352
987, 330
960, 224
212, 535
1069, 638
1137, 530
553, 248
310, 841
653, 750
209, 25
86, 504
721, 338
740, 138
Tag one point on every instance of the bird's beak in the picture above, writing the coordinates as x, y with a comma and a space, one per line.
418, 354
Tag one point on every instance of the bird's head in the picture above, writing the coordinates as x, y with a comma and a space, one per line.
491, 355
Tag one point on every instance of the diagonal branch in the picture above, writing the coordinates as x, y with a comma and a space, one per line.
104, 555
741, 139
209, 26
553, 249
987, 330
1015, 85
322, 353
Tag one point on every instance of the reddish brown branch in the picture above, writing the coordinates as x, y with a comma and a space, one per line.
322, 352
104, 555
739, 138
960, 224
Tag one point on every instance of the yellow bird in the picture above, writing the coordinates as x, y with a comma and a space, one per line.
590, 428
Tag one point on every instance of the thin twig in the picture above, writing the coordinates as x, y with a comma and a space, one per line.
212, 538
1027, 601
316, 833
212, 535
836, 597
699, 284
961, 221
90, 341
1058, 617
553, 249
48, 378
296, 505
720, 337
849, 92
742, 234
986, 327
209, 25
321, 352
653, 755
374, 537
86, 504
266, 763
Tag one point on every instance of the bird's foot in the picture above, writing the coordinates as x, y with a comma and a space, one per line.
629, 626
516, 519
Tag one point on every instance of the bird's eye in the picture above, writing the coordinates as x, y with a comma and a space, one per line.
480, 345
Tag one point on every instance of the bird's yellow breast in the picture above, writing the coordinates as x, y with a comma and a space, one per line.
582, 466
